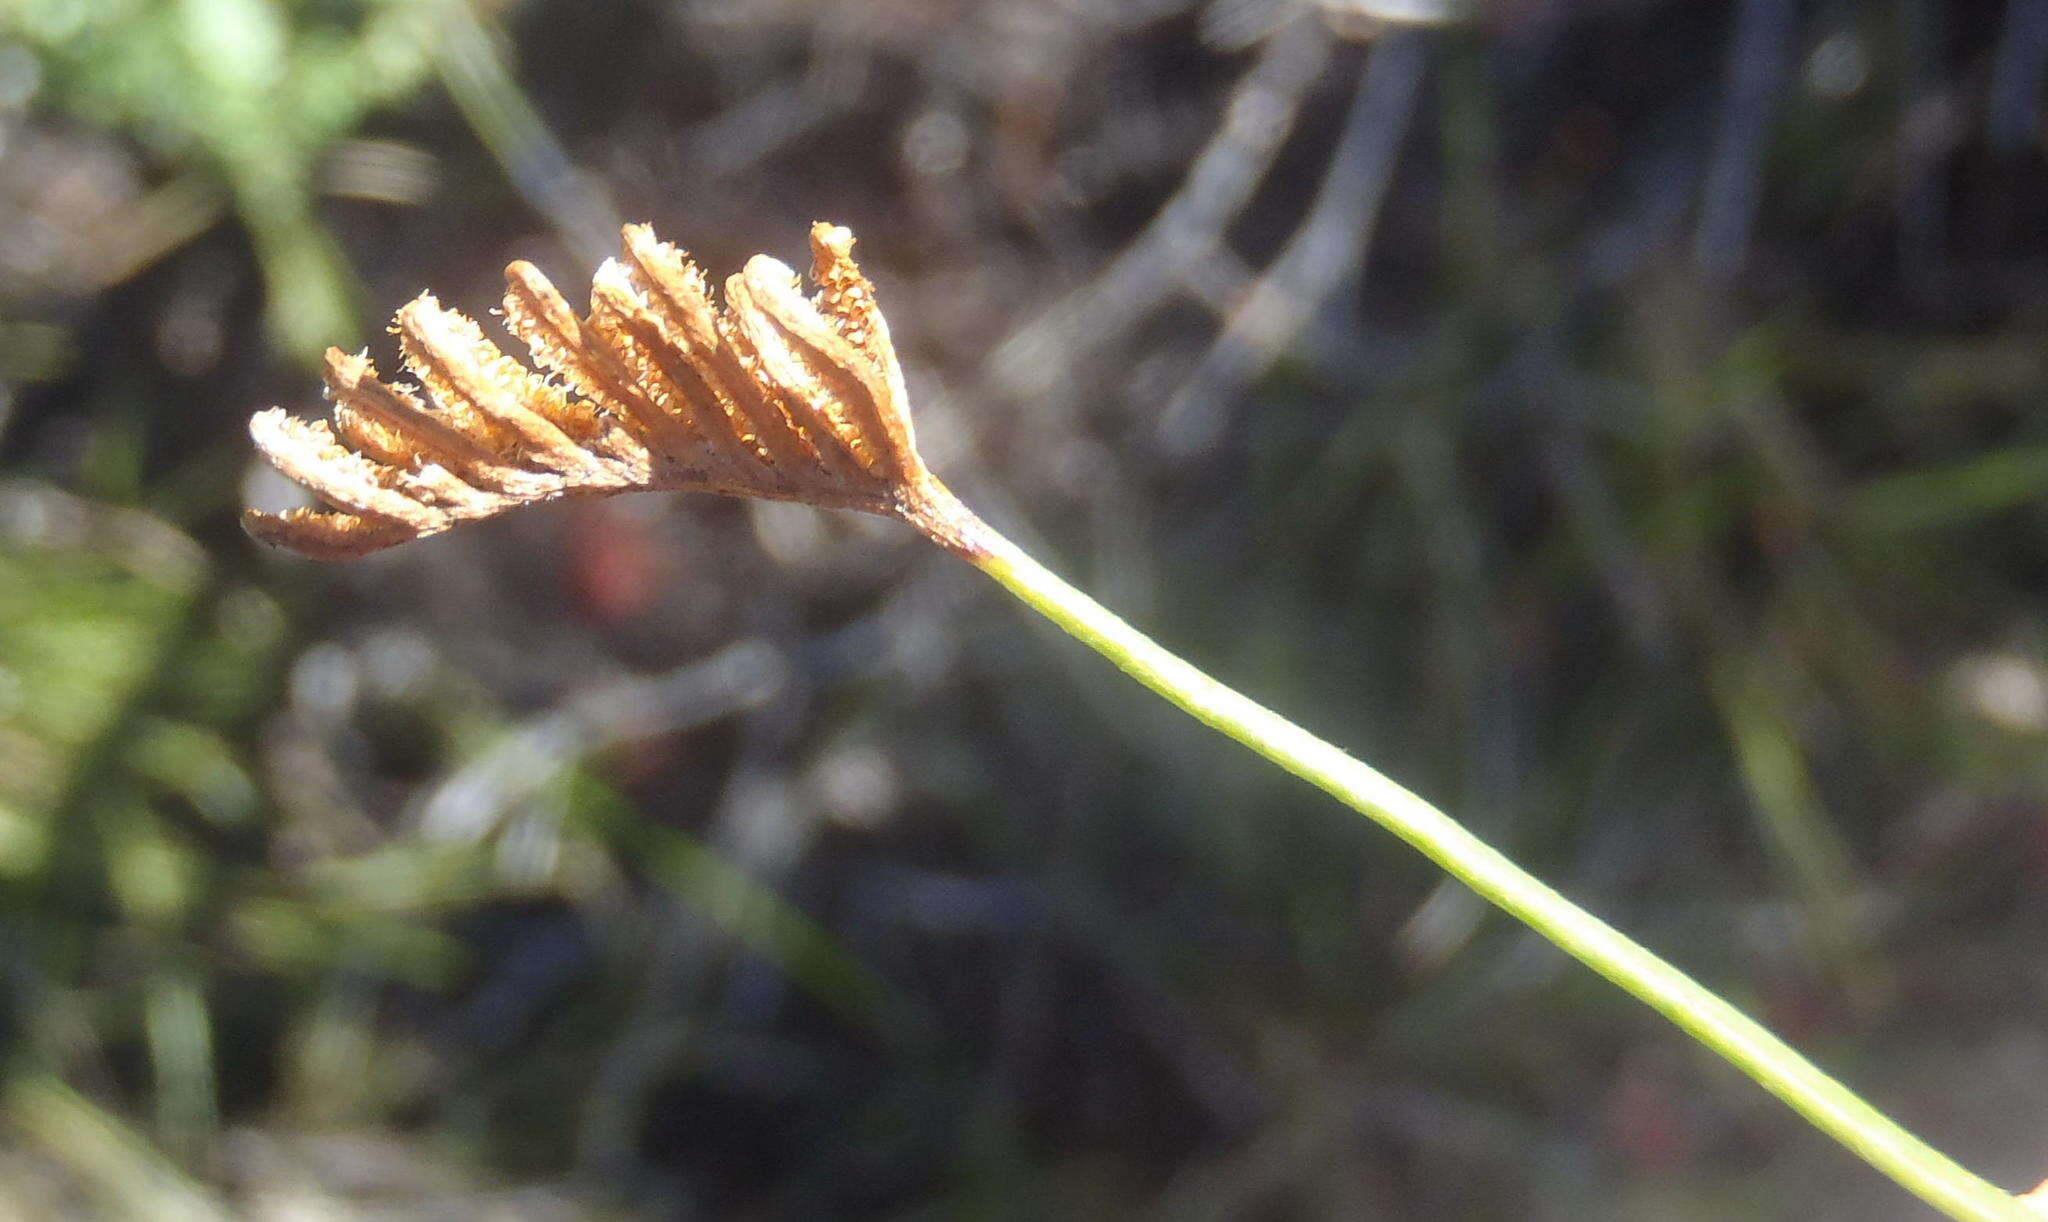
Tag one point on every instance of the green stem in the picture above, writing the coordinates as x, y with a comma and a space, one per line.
1829, 1105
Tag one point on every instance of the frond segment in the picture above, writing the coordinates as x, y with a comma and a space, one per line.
659, 386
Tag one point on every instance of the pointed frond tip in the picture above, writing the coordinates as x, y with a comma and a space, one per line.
660, 386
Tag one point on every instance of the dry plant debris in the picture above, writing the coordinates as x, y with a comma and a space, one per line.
660, 386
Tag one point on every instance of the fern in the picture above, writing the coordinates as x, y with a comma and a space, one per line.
777, 395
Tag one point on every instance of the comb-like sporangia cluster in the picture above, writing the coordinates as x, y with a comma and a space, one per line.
659, 385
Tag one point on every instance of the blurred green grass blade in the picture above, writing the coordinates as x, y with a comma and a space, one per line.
180, 1037
152, 874
750, 912
130, 1178
195, 764
1790, 813
473, 68
765, 923
312, 289
1951, 494
411, 877
301, 939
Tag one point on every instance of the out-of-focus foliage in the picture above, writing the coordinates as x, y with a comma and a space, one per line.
245, 94
1622, 422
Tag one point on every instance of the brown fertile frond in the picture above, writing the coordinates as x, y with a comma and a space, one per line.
658, 387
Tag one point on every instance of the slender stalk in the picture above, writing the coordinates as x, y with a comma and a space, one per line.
1830, 1106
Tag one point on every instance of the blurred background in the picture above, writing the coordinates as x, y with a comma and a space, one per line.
1620, 421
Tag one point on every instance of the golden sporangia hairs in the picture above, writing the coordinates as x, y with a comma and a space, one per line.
660, 386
